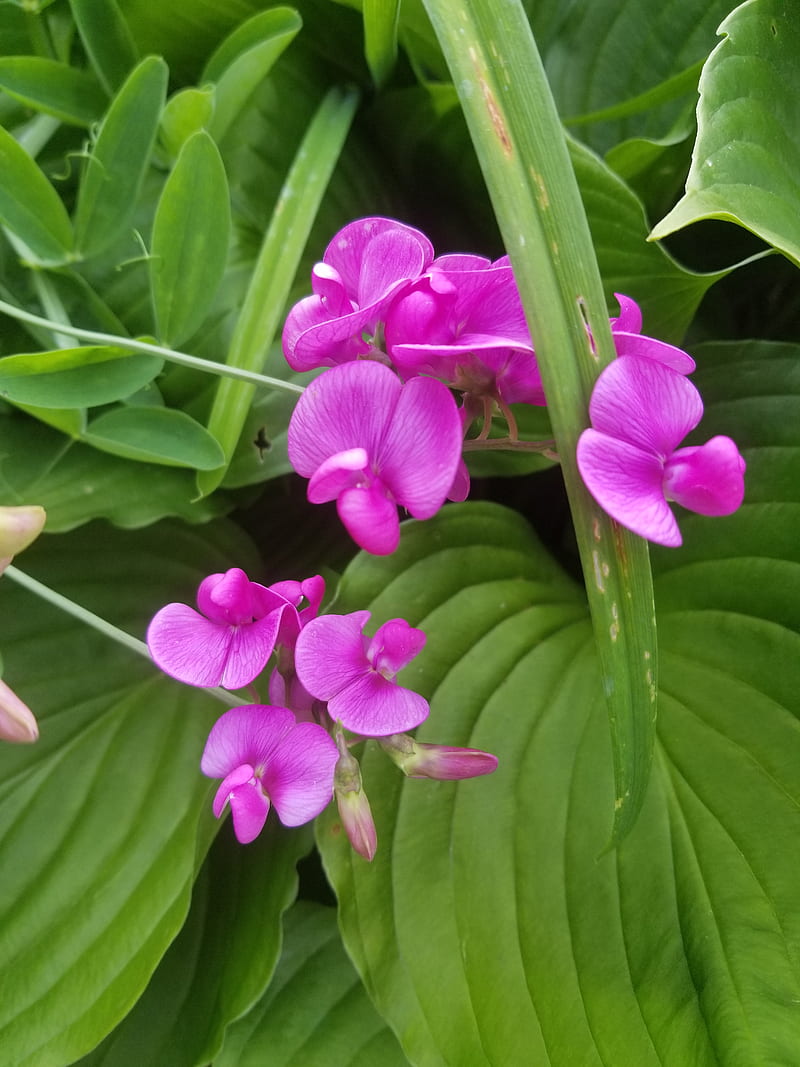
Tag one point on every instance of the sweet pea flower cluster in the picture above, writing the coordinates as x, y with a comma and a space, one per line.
330, 685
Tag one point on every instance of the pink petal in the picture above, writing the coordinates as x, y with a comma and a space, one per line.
634, 344
250, 647
347, 250
422, 450
17, 721
299, 777
708, 478
340, 472
237, 777
459, 490
330, 653
461, 261
247, 734
391, 259
188, 646
645, 403
394, 645
346, 407
226, 597
249, 808
627, 483
309, 340
370, 517
374, 707
630, 315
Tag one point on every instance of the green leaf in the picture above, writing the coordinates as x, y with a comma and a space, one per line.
315, 1012
243, 60
105, 819
220, 962
29, 205
117, 164
191, 231
380, 37
184, 114
75, 377
155, 435
107, 40
275, 268
70, 94
746, 156
520, 145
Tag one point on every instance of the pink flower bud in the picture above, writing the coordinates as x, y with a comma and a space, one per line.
16, 719
351, 800
18, 527
446, 762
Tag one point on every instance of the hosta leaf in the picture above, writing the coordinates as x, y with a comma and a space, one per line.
191, 230
70, 94
75, 377
221, 960
315, 1012
29, 205
746, 158
105, 818
120, 156
155, 435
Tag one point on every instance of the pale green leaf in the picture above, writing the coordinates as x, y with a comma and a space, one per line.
380, 37
154, 435
107, 40
188, 111
75, 377
71, 94
29, 205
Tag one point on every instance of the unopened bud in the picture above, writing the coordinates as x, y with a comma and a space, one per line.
16, 719
351, 800
419, 760
18, 527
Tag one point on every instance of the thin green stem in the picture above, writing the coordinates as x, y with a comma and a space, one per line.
169, 354
96, 622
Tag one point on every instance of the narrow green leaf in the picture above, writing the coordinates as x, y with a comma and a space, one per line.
191, 231
75, 377
380, 37
315, 1011
107, 40
155, 435
29, 205
120, 156
747, 154
275, 269
185, 113
70, 94
244, 59
520, 144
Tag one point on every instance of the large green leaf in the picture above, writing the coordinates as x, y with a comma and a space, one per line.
221, 960
191, 231
75, 377
490, 901
69, 93
106, 817
746, 158
316, 1012
155, 435
29, 205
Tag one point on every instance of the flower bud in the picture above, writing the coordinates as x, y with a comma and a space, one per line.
419, 760
19, 526
351, 800
16, 719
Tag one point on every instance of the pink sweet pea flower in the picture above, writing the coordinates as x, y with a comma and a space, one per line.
361, 271
355, 674
230, 642
371, 443
641, 409
17, 721
416, 759
626, 330
264, 756
463, 322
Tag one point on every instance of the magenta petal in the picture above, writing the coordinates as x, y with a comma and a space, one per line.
244, 735
630, 315
421, 453
347, 250
645, 403
299, 778
340, 472
390, 259
462, 261
346, 407
188, 646
459, 490
370, 517
708, 479
374, 707
249, 808
330, 653
250, 647
634, 344
237, 777
627, 483
394, 645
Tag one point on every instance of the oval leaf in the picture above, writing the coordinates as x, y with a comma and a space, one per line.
185, 113
155, 435
115, 169
70, 94
29, 205
75, 377
190, 239
107, 40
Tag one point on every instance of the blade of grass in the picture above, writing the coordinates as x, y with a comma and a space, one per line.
275, 269
519, 141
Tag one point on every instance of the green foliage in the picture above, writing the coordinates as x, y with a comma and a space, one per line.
30, 206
